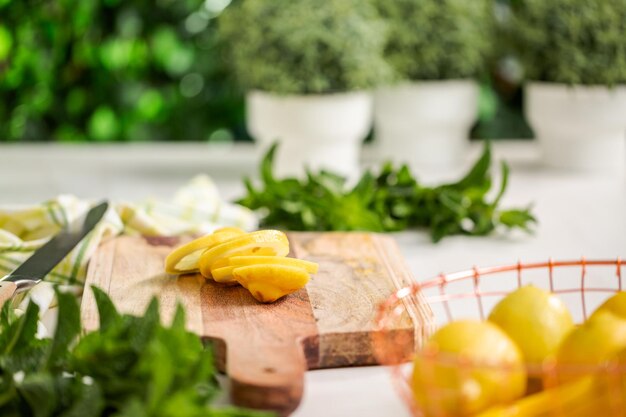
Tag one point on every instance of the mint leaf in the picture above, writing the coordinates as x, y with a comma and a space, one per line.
67, 329
106, 310
503, 184
521, 219
145, 328
267, 164
21, 332
178, 322
7, 315
479, 171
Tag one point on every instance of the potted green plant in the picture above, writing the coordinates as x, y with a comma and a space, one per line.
436, 49
308, 70
574, 55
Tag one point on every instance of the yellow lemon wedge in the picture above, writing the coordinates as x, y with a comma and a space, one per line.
222, 270
185, 258
575, 399
223, 274
600, 393
267, 282
262, 242
310, 267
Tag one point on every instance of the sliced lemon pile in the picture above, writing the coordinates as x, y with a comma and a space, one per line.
184, 259
255, 260
263, 242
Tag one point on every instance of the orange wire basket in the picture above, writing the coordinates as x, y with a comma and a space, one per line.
582, 284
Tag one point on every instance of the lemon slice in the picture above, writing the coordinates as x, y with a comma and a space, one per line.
262, 242
223, 274
267, 282
223, 270
220, 263
184, 259
310, 267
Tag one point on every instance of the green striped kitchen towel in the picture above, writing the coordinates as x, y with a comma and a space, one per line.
196, 208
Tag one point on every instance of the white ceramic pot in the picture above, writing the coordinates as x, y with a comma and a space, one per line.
579, 128
425, 124
315, 131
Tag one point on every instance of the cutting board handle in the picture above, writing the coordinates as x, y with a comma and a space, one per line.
266, 376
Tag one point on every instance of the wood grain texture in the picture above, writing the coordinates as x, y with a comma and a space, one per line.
266, 348
358, 271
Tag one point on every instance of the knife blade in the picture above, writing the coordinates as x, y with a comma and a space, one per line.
35, 268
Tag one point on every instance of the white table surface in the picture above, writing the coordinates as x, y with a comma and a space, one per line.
579, 215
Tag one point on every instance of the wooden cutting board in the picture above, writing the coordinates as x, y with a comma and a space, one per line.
266, 348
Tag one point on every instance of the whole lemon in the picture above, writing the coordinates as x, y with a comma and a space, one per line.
535, 319
616, 305
596, 341
465, 367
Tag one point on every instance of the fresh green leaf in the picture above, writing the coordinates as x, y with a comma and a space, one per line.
145, 328
7, 315
503, 184
517, 218
479, 172
178, 322
107, 311
267, 165
22, 331
67, 330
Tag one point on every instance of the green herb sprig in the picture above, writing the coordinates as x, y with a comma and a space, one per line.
391, 200
132, 366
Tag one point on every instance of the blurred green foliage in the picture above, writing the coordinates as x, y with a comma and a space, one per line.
571, 41
438, 39
101, 70
132, 70
305, 46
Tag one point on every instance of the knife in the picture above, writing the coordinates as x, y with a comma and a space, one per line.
35, 268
